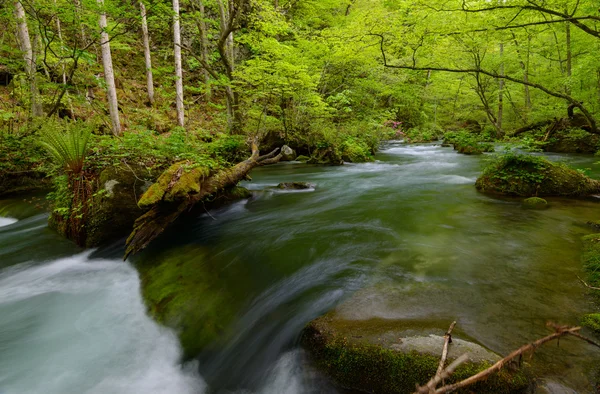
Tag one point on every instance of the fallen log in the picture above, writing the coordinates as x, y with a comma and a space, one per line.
533, 126
183, 190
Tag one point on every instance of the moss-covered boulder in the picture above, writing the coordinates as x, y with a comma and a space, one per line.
112, 209
302, 158
529, 176
535, 203
381, 356
573, 141
287, 153
180, 291
23, 182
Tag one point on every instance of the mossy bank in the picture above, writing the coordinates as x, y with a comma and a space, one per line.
591, 264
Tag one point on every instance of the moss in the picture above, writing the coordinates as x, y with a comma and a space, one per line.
527, 176
302, 158
592, 321
357, 363
594, 223
174, 184
535, 203
179, 291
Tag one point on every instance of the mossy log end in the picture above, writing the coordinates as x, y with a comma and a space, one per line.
532, 176
179, 188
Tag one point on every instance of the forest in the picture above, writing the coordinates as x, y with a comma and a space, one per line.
299, 196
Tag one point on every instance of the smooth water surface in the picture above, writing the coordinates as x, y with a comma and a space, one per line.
406, 237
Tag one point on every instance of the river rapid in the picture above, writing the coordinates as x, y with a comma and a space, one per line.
406, 237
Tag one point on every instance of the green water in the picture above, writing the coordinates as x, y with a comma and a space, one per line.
404, 238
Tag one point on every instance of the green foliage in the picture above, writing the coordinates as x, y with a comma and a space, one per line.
592, 321
426, 133
68, 145
467, 143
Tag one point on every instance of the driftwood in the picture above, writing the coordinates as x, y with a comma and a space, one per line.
430, 387
588, 286
151, 224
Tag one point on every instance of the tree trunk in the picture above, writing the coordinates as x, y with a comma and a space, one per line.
109, 76
29, 57
147, 57
202, 29
178, 69
569, 58
526, 77
151, 224
500, 95
225, 47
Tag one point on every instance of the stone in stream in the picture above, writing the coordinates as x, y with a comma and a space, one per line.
387, 356
532, 176
287, 153
535, 203
295, 185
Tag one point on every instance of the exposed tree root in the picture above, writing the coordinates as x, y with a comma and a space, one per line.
150, 225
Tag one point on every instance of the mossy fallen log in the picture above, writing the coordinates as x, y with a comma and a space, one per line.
534, 176
179, 188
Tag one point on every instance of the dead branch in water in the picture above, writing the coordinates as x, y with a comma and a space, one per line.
588, 286
430, 387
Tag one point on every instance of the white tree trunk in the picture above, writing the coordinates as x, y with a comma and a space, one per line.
178, 70
28, 56
109, 76
146, 38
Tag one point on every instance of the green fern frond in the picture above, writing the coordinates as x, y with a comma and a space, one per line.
67, 146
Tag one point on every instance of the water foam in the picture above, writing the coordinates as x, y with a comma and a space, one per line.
76, 325
4, 221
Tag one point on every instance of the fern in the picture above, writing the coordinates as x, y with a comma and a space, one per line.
67, 146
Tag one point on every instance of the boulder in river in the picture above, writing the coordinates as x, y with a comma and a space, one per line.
295, 185
534, 176
287, 153
382, 356
535, 203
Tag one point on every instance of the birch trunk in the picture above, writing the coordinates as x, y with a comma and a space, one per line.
147, 57
500, 94
28, 56
204, 42
178, 70
109, 76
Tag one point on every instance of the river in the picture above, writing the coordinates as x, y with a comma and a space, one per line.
406, 237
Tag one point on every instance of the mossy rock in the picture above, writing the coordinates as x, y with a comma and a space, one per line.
114, 208
535, 203
473, 149
594, 223
327, 156
180, 291
529, 176
302, 158
175, 184
373, 358
592, 321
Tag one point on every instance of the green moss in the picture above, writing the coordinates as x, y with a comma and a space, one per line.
535, 203
179, 291
591, 258
302, 158
592, 321
524, 175
175, 183
356, 363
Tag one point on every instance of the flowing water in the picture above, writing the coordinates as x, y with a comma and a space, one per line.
406, 237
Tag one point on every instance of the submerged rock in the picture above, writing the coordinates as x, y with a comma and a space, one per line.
528, 176
295, 185
180, 291
381, 356
535, 203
